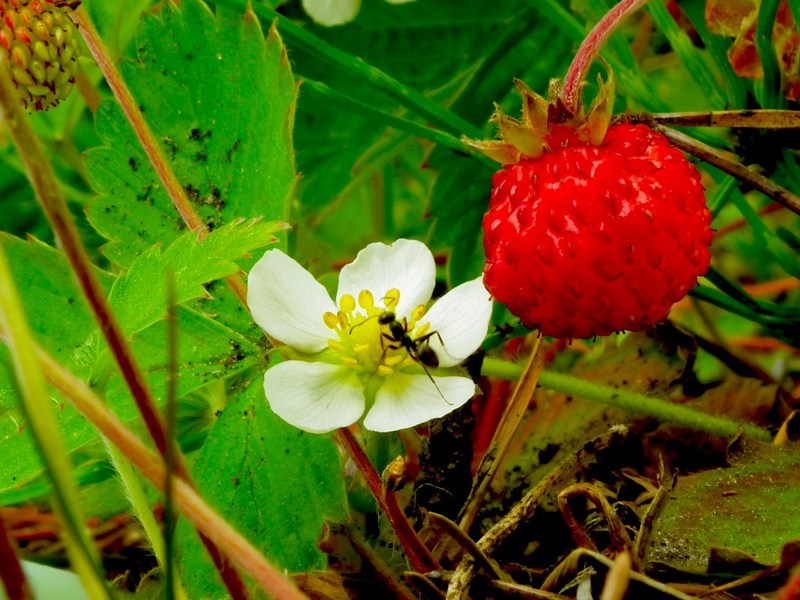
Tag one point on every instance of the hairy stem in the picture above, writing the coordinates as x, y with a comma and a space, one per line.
136, 119
111, 330
147, 139
570, 93
418, 554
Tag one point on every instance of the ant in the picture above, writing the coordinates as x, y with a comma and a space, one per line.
418, 349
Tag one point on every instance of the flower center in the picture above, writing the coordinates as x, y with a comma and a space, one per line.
373, 339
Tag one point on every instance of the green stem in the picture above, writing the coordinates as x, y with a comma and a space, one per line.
406, 96
141, 507
769, 89
38, 412
633, 402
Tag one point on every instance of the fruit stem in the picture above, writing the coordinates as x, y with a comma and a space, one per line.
570, 93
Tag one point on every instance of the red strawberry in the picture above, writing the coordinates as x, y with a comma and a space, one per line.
586, 239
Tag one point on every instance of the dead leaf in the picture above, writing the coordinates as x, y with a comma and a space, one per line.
737, 18
745, 511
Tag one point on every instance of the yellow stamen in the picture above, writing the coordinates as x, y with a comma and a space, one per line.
417, 313
347, 303
361, 348
391, 298
393, 360
343, 320
350, 362
365, 299
330, 320
337, 346
384, 370
422, 330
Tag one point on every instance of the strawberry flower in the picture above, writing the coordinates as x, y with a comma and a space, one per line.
378, 348
336, 12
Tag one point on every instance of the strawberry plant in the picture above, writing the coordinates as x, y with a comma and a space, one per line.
399, 299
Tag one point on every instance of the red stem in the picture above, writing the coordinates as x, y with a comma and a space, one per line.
570, 93
418, 554
11, 574
94, 294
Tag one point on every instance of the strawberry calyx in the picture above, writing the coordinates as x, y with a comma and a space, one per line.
547, 124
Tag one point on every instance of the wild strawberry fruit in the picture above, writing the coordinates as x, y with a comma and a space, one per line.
591, 229
40, 42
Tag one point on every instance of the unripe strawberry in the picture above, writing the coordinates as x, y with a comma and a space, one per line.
591, 229
40, 43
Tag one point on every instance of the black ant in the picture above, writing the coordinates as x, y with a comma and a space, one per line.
418, 349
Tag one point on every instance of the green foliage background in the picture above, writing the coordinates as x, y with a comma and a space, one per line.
267, 121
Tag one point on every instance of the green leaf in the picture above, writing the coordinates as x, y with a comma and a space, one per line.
220, 98
742, 507
272, 482
139, 296
58, 315
207, 351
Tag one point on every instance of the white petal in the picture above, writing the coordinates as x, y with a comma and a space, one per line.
314, 396
408, 400
288, 303
406, 265
332, 12
461, 317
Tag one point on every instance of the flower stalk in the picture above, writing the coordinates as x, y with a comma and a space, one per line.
418, 554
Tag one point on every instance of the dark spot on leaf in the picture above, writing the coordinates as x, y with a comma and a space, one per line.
133, 164
192, 192
198, 136
235, 481
232, 150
